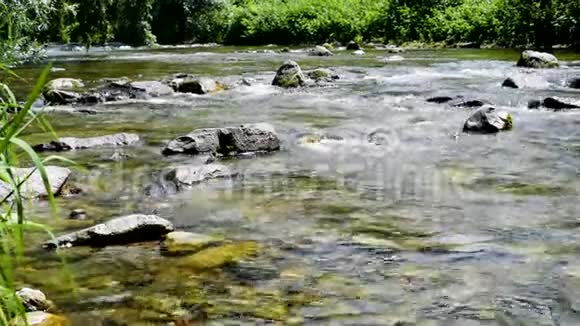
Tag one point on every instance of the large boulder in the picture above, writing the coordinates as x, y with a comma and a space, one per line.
353, 46
289, 75
39, 318
225, 141
183, 176
319, 51
73, 143
120, 230
535, 59
487, 120
574, 83
552, 104
34, 187
62, 90
33, 300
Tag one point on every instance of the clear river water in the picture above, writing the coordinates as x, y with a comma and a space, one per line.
430, 227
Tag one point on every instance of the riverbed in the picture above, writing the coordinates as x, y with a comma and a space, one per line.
429, 227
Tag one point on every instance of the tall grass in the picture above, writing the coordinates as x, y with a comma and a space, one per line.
15, 118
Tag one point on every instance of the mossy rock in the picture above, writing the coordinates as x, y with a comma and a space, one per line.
216, 257
180, 242
39, 318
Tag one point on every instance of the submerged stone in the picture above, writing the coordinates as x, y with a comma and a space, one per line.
73, 143
120, 230
457, 101
535, 59
217, 257
322, 74
152, 88
488, 120
34, 186
179, 242
184, 176
39, 318
225, 141
289, 75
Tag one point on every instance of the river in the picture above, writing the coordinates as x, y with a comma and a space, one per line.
431, 227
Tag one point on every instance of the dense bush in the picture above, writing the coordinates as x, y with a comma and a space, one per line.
540, 23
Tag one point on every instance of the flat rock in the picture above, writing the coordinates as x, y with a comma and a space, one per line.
319, 51
487, 120
152, 88
34, 187
184, 176
457, 101
179, 242
62, 90
195, 85
358, 52
39, 318
289, 75
552, 104
120, 230
535, 59
225, 141
216, 257
73, 143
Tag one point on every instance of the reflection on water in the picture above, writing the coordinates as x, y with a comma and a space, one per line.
422, 225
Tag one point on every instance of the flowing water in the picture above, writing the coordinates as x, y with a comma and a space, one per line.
431, 227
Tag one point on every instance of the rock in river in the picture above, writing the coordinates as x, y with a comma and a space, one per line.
33, 187
510, 83
353, 46
552, 104
289, 75
216, 257
189, 175
534, 59
322, 75
574, 83
319, 51
33, 300
457, 101
225, 141
39, 318
184, 83
152, 88
120, 230
487, 120
179, 242
73, 143
62, 90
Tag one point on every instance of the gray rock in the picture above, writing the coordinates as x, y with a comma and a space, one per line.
225, 141
120, 230
574, 83
33, 300
199, 86
189, 175
352, 46
488, 120
509, 83
152, 88
552, 104
62, 90
458, 101
73, 143
33, 187
534, 59
319, 51
358, 52
289, 75
395, 50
